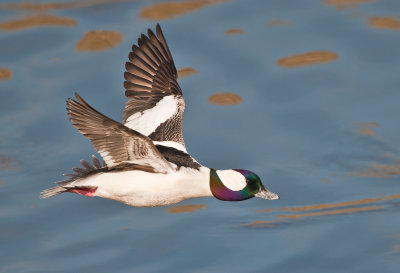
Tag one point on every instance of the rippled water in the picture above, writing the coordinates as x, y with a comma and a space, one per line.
312, 107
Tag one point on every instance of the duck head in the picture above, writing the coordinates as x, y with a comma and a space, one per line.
238, 185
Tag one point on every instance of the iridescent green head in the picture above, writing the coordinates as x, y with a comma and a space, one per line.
238, 185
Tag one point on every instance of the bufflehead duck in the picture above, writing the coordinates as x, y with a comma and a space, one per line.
145, 162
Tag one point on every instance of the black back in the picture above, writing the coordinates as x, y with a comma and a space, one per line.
179, 158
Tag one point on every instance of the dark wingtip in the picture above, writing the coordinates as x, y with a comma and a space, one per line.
141, 39
150, 33
71, 100
68, 101
81, 101
126, 75
159, 31
126, 83
79, 98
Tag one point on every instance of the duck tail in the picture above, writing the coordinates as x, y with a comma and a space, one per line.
65, 185
52, 191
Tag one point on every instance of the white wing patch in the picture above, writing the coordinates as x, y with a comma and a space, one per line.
146, 122
233, 180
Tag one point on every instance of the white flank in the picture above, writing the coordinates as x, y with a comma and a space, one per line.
233, 180
172, 144
143, 189
147, 121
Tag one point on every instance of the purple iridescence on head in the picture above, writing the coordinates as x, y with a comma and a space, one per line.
245, 173
221, 192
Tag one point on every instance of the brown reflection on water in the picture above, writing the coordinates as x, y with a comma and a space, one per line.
8, 163
329, 212
367, 128
346, 4
384, 22
277, 22
307, 59
99, 40
58, 5
364, 201
186, 72
267, 223
186, 208
225, 99
235, 31
165, 11
366, 132
390, 155
323, 209
377, 170
37, 20
5, 74
380, 170
283, 217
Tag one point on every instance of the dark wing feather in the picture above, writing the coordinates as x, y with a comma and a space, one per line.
150, 77
115, 142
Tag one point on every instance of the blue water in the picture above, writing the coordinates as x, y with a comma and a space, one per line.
297, 128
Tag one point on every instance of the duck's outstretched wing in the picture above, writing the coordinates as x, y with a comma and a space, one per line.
116, 143
156, 105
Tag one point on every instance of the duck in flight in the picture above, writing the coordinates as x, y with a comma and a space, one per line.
145, 162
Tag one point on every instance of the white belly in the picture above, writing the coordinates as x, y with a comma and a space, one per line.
143, 189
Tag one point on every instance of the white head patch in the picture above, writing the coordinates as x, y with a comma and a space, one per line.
233, 180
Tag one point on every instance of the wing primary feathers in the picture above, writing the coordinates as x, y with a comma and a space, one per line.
115, 142
160, 35
134, 69
157, 44
132, 77
145, 44
135, 87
